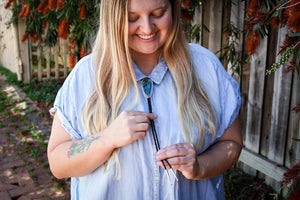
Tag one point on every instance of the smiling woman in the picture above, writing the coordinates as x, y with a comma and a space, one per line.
148, 28
117, 143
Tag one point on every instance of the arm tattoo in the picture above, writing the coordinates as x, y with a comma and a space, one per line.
80, 147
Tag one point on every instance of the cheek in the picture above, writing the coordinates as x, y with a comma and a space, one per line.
166, 23
131, 29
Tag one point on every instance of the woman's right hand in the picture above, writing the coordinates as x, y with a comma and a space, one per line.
128, 127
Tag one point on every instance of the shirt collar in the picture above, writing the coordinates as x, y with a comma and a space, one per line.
156, 75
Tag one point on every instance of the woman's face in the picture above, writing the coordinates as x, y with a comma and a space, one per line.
149, 22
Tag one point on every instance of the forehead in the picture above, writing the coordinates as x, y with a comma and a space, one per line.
144, 5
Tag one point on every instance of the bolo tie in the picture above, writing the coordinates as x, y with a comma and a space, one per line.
147, 87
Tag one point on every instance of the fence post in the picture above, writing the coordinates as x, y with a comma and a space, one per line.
25, 53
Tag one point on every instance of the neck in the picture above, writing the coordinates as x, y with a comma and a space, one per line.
145, 62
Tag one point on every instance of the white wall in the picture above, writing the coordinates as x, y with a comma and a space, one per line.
8, 41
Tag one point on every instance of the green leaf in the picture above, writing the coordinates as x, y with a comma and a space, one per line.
297, 60
294, 34
296, 139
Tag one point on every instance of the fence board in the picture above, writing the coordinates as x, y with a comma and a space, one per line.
205, 22
280, 110
236, 19
268, 92
25, 51
262, 164
255, 101
226, 9
40, 58
198, 17
215, 25
293, 147
56, 51
65, 57
48, 58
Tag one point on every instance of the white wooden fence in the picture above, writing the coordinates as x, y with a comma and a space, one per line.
50, 62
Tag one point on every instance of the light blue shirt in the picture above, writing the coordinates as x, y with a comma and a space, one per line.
141, 177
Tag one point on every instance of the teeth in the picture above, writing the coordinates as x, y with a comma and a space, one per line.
146, 37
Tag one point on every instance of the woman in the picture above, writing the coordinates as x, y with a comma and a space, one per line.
101, 130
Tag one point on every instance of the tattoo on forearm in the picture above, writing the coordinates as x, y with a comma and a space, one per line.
80, 147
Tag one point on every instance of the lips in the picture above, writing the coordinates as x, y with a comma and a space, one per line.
146, 37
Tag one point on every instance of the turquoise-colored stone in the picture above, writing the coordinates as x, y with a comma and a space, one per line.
147, 87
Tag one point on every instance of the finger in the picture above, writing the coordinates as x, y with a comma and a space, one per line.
179, 160
170, 153
137, 112
138, 135
152, 116
141, 127
141, 113
141, 119
174, 166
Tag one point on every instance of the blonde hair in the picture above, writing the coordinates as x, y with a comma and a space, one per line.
114, 76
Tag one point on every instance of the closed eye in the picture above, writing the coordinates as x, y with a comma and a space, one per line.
159, 13
132, 18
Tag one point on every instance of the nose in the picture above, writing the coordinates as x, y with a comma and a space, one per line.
146, 26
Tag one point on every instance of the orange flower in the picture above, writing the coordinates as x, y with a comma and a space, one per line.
275, 21
186, 4
8, 4
63, 30
52, 4
22, 13
294, 18
66, 34
82, 11
72, 60
83, 51
27, 11
41, 6
25, 36
253, 7
34, 36
252, 43
60, 4
45, 24
186, 17
73, 44
289, 41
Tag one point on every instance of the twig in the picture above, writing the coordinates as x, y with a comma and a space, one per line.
281, 7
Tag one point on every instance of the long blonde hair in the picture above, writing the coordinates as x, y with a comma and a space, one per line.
114, 76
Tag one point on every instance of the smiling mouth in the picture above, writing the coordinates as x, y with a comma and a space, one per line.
147, 37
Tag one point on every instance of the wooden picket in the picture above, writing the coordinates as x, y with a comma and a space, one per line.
50, 62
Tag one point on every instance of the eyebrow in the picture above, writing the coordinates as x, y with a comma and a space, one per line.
158, 8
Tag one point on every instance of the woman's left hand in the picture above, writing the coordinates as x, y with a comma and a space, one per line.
182, 157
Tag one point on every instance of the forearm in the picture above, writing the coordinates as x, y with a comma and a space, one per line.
78, 158
220, 157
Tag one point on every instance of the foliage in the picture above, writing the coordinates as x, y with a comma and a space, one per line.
241, 186
76, 20
48, 20
291, 182
261, 15
43, 92
228, 53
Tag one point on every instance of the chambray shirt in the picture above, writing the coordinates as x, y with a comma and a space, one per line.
141, 177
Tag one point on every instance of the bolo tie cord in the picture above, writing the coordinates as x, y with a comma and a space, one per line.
147, 91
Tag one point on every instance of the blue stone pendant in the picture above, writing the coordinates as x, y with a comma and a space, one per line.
147, 87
